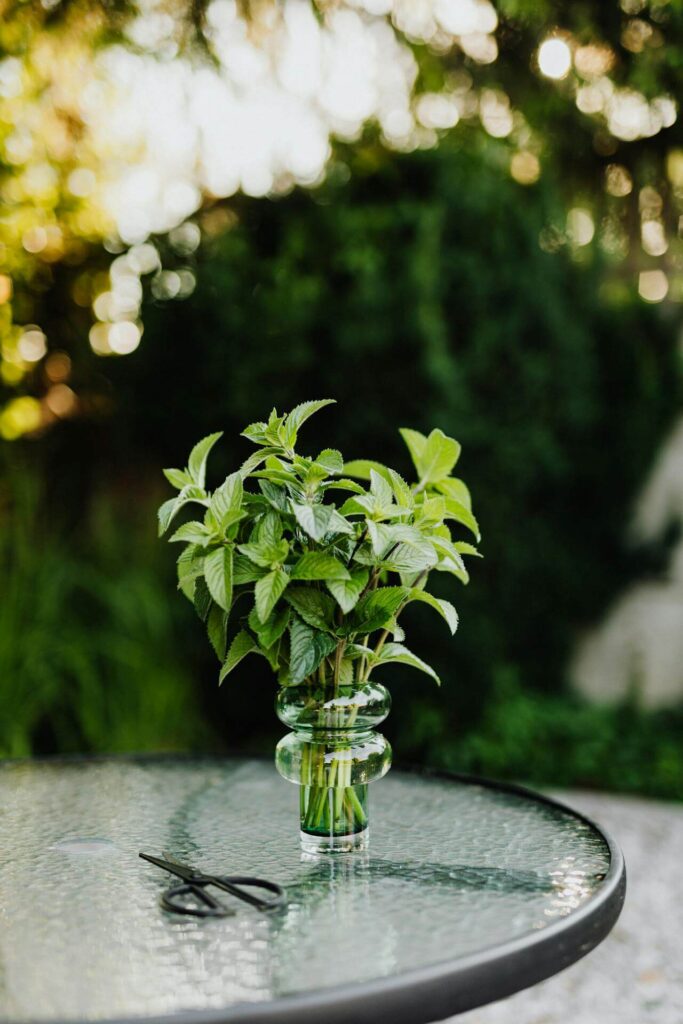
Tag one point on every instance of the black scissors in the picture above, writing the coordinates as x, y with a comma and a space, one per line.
195, 883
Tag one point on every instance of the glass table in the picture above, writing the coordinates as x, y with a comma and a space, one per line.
470, 891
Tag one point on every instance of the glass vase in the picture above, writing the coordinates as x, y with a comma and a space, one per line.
332, 753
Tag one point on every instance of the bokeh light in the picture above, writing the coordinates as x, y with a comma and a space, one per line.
554, 58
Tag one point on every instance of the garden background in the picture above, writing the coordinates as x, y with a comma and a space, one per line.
453, 214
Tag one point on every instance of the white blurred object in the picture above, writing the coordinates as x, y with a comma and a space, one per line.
639, 647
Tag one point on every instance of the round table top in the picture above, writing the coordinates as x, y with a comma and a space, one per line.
470, 891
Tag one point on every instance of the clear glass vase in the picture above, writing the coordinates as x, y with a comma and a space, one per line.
332, 753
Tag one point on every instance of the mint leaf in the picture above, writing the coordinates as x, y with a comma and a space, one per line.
397, 653
343, 485
196, 464
270, 631
255, 432
331, 461
242, 645
376, 609
316, 565
450, 559
381, 489
217, 629
443, 607
193, 533
265, 554
169, 508
307, 648
313, 606
463, 548
227, 498
461, 514
363, 467
202, 598
244, 571
298, 416
438, 457
177, 477
218, 575
416, 443
347, 592
268, 591
269, 529
313, 519
190, 565
454, 488
402, 492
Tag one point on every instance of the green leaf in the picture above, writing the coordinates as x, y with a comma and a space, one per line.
178, 478
454, 488
443, 607
316, 565
193, 533
196, 464
169, 508
353, 651
432, 511
461, 514
254, 461
227, 499
298, 416
338, 524
439, 456
244, 571
190, 565
307, 648
269, 529
397, 653
217, 629
347, 592
416, 443
313, 606
314, 519
381, 488
359, 505
255, 432
363, 467
276, 496
270, 631
331, 461
411, 558
344, 485
376, 609
266, 555
242, 645
202, 598
268, 591
346, 672
450, 559
218, 575
402, 492
467, 549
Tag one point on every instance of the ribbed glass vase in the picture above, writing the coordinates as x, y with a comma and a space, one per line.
332, 753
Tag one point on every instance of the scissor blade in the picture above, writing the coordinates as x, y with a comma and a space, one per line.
179, 870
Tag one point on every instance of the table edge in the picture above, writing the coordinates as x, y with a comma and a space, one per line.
436, 991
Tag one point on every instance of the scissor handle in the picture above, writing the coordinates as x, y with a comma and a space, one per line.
232, 883
170, 900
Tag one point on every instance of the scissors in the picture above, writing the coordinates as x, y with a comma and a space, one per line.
194, 883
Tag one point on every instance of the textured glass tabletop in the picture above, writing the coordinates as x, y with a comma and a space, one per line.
459, 874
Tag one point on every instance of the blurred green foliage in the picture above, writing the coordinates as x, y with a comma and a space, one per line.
87, 655
416, 294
